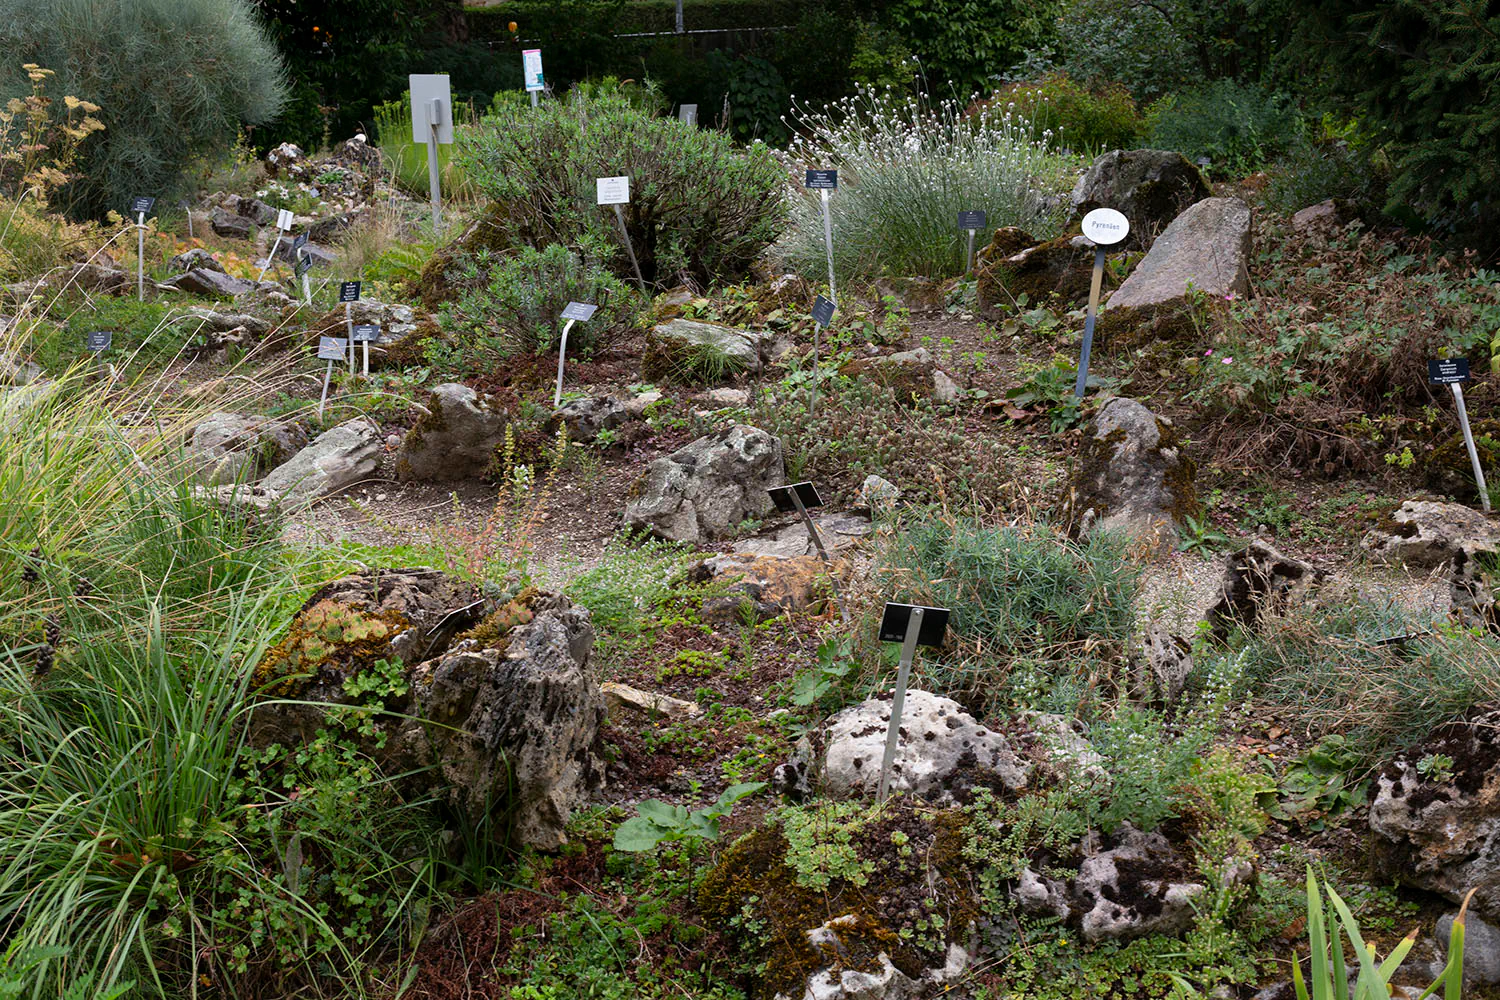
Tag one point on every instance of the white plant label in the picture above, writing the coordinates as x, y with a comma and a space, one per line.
531, 69
614, 190
284, 219
1105, 226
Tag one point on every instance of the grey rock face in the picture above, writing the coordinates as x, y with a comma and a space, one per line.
319, 256
223, 322
1322, 220
585, 418
337, 458
202, 281
1170, 660
525, 722
1481, 948
1206, 249
456, 440
232, 225
942, 754
686, 349
1260, 579
877, 494
1141, 886
195, 259
1132, 475
704, 490
256, 211
230, 447
1150, 186
1422, 534
1444, 836
326, 230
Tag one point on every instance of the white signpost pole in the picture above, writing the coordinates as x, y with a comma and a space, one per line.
140, 257
1463, 423
562, 350
898, 702
833, 292
283, 223
615, 191
434, 109
1105, 227
304, 265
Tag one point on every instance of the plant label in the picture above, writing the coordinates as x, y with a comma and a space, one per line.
141, 205
425, 89
531, 69
822, 311
332, 348
822, 180
349, 291
284, 219
303, 265
299, 241
1105, 226
971, 220
580, 311
1448, 371
688, 114
366, 333
893, 624
98, 341
785, 502
614, 190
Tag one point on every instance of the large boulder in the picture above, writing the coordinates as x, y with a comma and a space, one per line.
585, 418
231, 224
704, 490
688, 351
1058, 272
1150, 186
1133, 476
942, 754
501, 710
1205, 249
256, 211
456, 438
197, 257
232, 447
207, 281
339, 457
1438, 827
1423, 534
1260, 580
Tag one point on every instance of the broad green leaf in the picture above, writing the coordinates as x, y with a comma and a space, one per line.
638, 834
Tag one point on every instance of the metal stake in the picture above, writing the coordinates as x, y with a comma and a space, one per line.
562, 349
306, 286
533, 98
1463, 422
140, 257
969, 268
833, 294
812, 532
366, 345
349, 332
1088, 323
434, 181
272, 258
625, 235
327, 377
903, 674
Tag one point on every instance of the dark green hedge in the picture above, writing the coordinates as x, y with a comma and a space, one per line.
540, 18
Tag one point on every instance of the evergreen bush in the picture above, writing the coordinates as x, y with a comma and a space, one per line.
1239, 127
175, 79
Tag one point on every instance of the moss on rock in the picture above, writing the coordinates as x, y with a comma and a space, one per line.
1129, 327
1054, 268
1448, 470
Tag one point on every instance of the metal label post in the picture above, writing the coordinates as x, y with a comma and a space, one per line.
140, 257
1463, 422
971, 223
1105, 227
898, 702
434, 175
635, 265
562, 350
812, 533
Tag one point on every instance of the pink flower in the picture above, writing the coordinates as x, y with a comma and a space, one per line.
1208, 352
1227, 361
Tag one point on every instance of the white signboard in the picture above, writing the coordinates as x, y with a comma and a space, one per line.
1105, 226
531, 69
284, 219
425, 89
614, 190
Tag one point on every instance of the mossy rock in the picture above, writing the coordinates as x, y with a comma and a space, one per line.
1129, 327
693, 353
909, 374
1448, 470
1054, 268
495, 230
881, 865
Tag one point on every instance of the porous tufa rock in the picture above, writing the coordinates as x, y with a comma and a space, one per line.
706, 489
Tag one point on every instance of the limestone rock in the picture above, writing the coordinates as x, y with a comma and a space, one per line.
329, 229
942, 753
1042, 896
232, 225
912, 374
85, 277
624, 698
339, 457
1132, 475
1444, 835
771, 585
195, 259
704, 490
1481, 948
223, 322
1150, 186
837, 530
456, 439
1259, 579
1206, 248
231, 447
256, 211
1138, 887
316, 255
286, 158
885, 982
688, 351
1170, 661
726, 398
1422, 534
1324, 219
402, 331
203, 281
585, 418
876, 494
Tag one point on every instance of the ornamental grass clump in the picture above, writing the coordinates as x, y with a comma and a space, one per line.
907, 167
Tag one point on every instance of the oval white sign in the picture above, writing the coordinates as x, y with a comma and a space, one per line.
1105, 226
